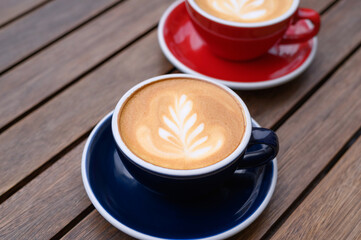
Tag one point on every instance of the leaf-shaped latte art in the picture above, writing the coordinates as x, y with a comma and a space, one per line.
245, 9
177, 130
181, 134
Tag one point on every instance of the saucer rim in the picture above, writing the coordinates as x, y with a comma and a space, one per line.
139, 235
232, 84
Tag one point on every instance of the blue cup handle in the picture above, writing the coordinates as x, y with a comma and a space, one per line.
262, 154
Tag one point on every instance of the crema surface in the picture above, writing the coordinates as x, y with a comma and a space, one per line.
181, 123
245, 11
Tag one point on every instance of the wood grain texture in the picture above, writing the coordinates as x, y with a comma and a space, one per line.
44, 133
307, 143
49, 129
333, 209
10, 9
23, 37
311, 138
334, 40
96, 228
47, 204
56, 66
319, 5
59, 64
49, 134
61, 121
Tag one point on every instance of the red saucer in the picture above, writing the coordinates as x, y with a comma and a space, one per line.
184, 48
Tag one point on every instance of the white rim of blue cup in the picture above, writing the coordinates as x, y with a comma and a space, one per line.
284, 16
140, 235
173, 172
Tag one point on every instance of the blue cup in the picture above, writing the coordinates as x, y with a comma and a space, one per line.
257, 147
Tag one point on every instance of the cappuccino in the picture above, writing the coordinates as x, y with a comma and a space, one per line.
245, 11
181, 123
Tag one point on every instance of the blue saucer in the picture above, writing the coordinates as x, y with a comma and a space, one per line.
135, 210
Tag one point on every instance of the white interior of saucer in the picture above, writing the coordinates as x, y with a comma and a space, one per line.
173, 172
287, 14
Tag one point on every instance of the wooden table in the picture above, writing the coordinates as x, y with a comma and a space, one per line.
63, 66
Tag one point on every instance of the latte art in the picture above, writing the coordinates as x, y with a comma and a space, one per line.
181, 123
181, 134
245, 10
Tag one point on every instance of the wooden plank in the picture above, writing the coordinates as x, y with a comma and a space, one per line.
332, 48
51, 128
44, 200
48, 203
78, 101
307, 143
10, 9
333, 209
72, 56
311, 138
97, 228
23, 37
48, 130
319, 5
103, 73
56, 66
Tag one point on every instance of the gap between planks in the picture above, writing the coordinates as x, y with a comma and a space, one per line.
328, 167
61, 153
23, 13
330, 114
56, 39
42, 168
20, 113
72, 145
74, 222
333, 209
153, 64
336, 156
303, 100
329, 6
91, 210
324, 172
47, 164
283, 218
66, 86
34, 74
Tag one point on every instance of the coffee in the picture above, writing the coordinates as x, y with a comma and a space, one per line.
245, 11
181, 123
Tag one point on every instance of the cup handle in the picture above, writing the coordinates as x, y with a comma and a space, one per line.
303, 14
268, 141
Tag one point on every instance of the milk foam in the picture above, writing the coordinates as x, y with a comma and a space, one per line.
245, 10
181, 132
182, 124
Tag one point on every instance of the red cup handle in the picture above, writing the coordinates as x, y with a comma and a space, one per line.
302, 14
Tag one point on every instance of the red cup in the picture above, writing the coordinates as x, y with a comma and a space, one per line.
245, 41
